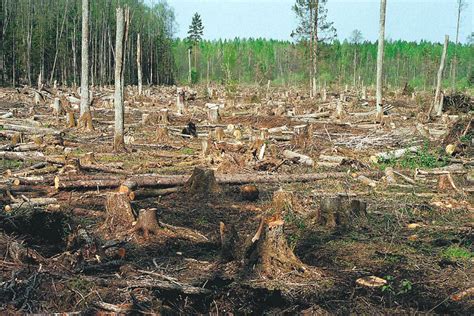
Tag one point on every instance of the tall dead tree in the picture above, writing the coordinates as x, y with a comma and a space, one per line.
437, 107
85, 113
139, 65
380, 53
461, 6
314, 39
120, 42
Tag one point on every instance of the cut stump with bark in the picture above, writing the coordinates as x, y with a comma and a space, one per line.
147, 222
229, 240
119, 213
270, 254
202, 184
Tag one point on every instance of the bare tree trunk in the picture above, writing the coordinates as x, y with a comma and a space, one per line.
74, 61
189, 65
58, 39
139, 65
438, 101
85, 114
119, 143
315, 46
380, 53
461, 5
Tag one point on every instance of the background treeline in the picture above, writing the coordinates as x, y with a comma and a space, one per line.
260, 60
44, 37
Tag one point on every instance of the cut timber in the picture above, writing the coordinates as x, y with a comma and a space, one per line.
299, 158
119, 214
394, 154
31, 203
147, 222
202, 184
271, 255
229, 239
154, 180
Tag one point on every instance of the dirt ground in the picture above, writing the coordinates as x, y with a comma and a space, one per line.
416, 234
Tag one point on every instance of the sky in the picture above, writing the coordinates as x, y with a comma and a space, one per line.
411, 20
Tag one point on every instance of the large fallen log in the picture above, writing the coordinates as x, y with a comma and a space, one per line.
163, 181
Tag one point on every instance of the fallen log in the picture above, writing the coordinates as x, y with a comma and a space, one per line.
303, 159
153, 180
32, 203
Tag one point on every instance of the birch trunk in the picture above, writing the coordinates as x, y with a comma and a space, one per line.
438, 103
85, 105
189, 66
139, 65
380, 53
119, 143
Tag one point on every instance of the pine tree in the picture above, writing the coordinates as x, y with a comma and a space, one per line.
196, 30
313, 26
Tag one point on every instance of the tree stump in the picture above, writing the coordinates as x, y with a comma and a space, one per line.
162, 134
164, 117
180, 100
85, 121
283, 201
147, 222
119, 213
238, 135
202, 184
213, 113
249, 192
57, 110
219, 134
270, 253
70, 119
330, 208
358, 208
229, 239
206, 146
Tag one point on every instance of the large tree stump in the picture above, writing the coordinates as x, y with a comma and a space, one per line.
229, 239
330, 208
162, 134
147, 222
202, 184
119, 213
270, 254
283, 201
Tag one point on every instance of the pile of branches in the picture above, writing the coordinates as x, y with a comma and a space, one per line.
458, 103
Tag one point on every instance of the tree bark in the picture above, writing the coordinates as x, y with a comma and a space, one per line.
85, 103
380, 55
119, 143
438, 101
139, 65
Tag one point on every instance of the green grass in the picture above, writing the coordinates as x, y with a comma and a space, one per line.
10, 164
457, 253
425, 158
187, 151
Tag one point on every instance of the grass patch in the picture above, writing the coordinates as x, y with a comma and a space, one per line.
457, 253
10, 164
425, 158
187, 151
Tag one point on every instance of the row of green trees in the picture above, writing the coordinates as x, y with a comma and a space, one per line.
347, 62
43, 37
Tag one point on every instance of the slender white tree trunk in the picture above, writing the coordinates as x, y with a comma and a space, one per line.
315, 46
438, 101
380, 53
139, 65
189, 65
119, 144
85, 104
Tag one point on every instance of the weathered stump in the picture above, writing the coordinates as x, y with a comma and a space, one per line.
229, 239
283, 201
70, 119
219, 134
202, 184
180, 100
213, 113
270, 254
162, 134
119, 213
147, 222
164, 117
330, 208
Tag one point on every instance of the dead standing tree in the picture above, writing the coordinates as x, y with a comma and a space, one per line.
380, 53
437, 106
85, 120
123, 17
139, 65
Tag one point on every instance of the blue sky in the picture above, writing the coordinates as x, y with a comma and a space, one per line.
406, 19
